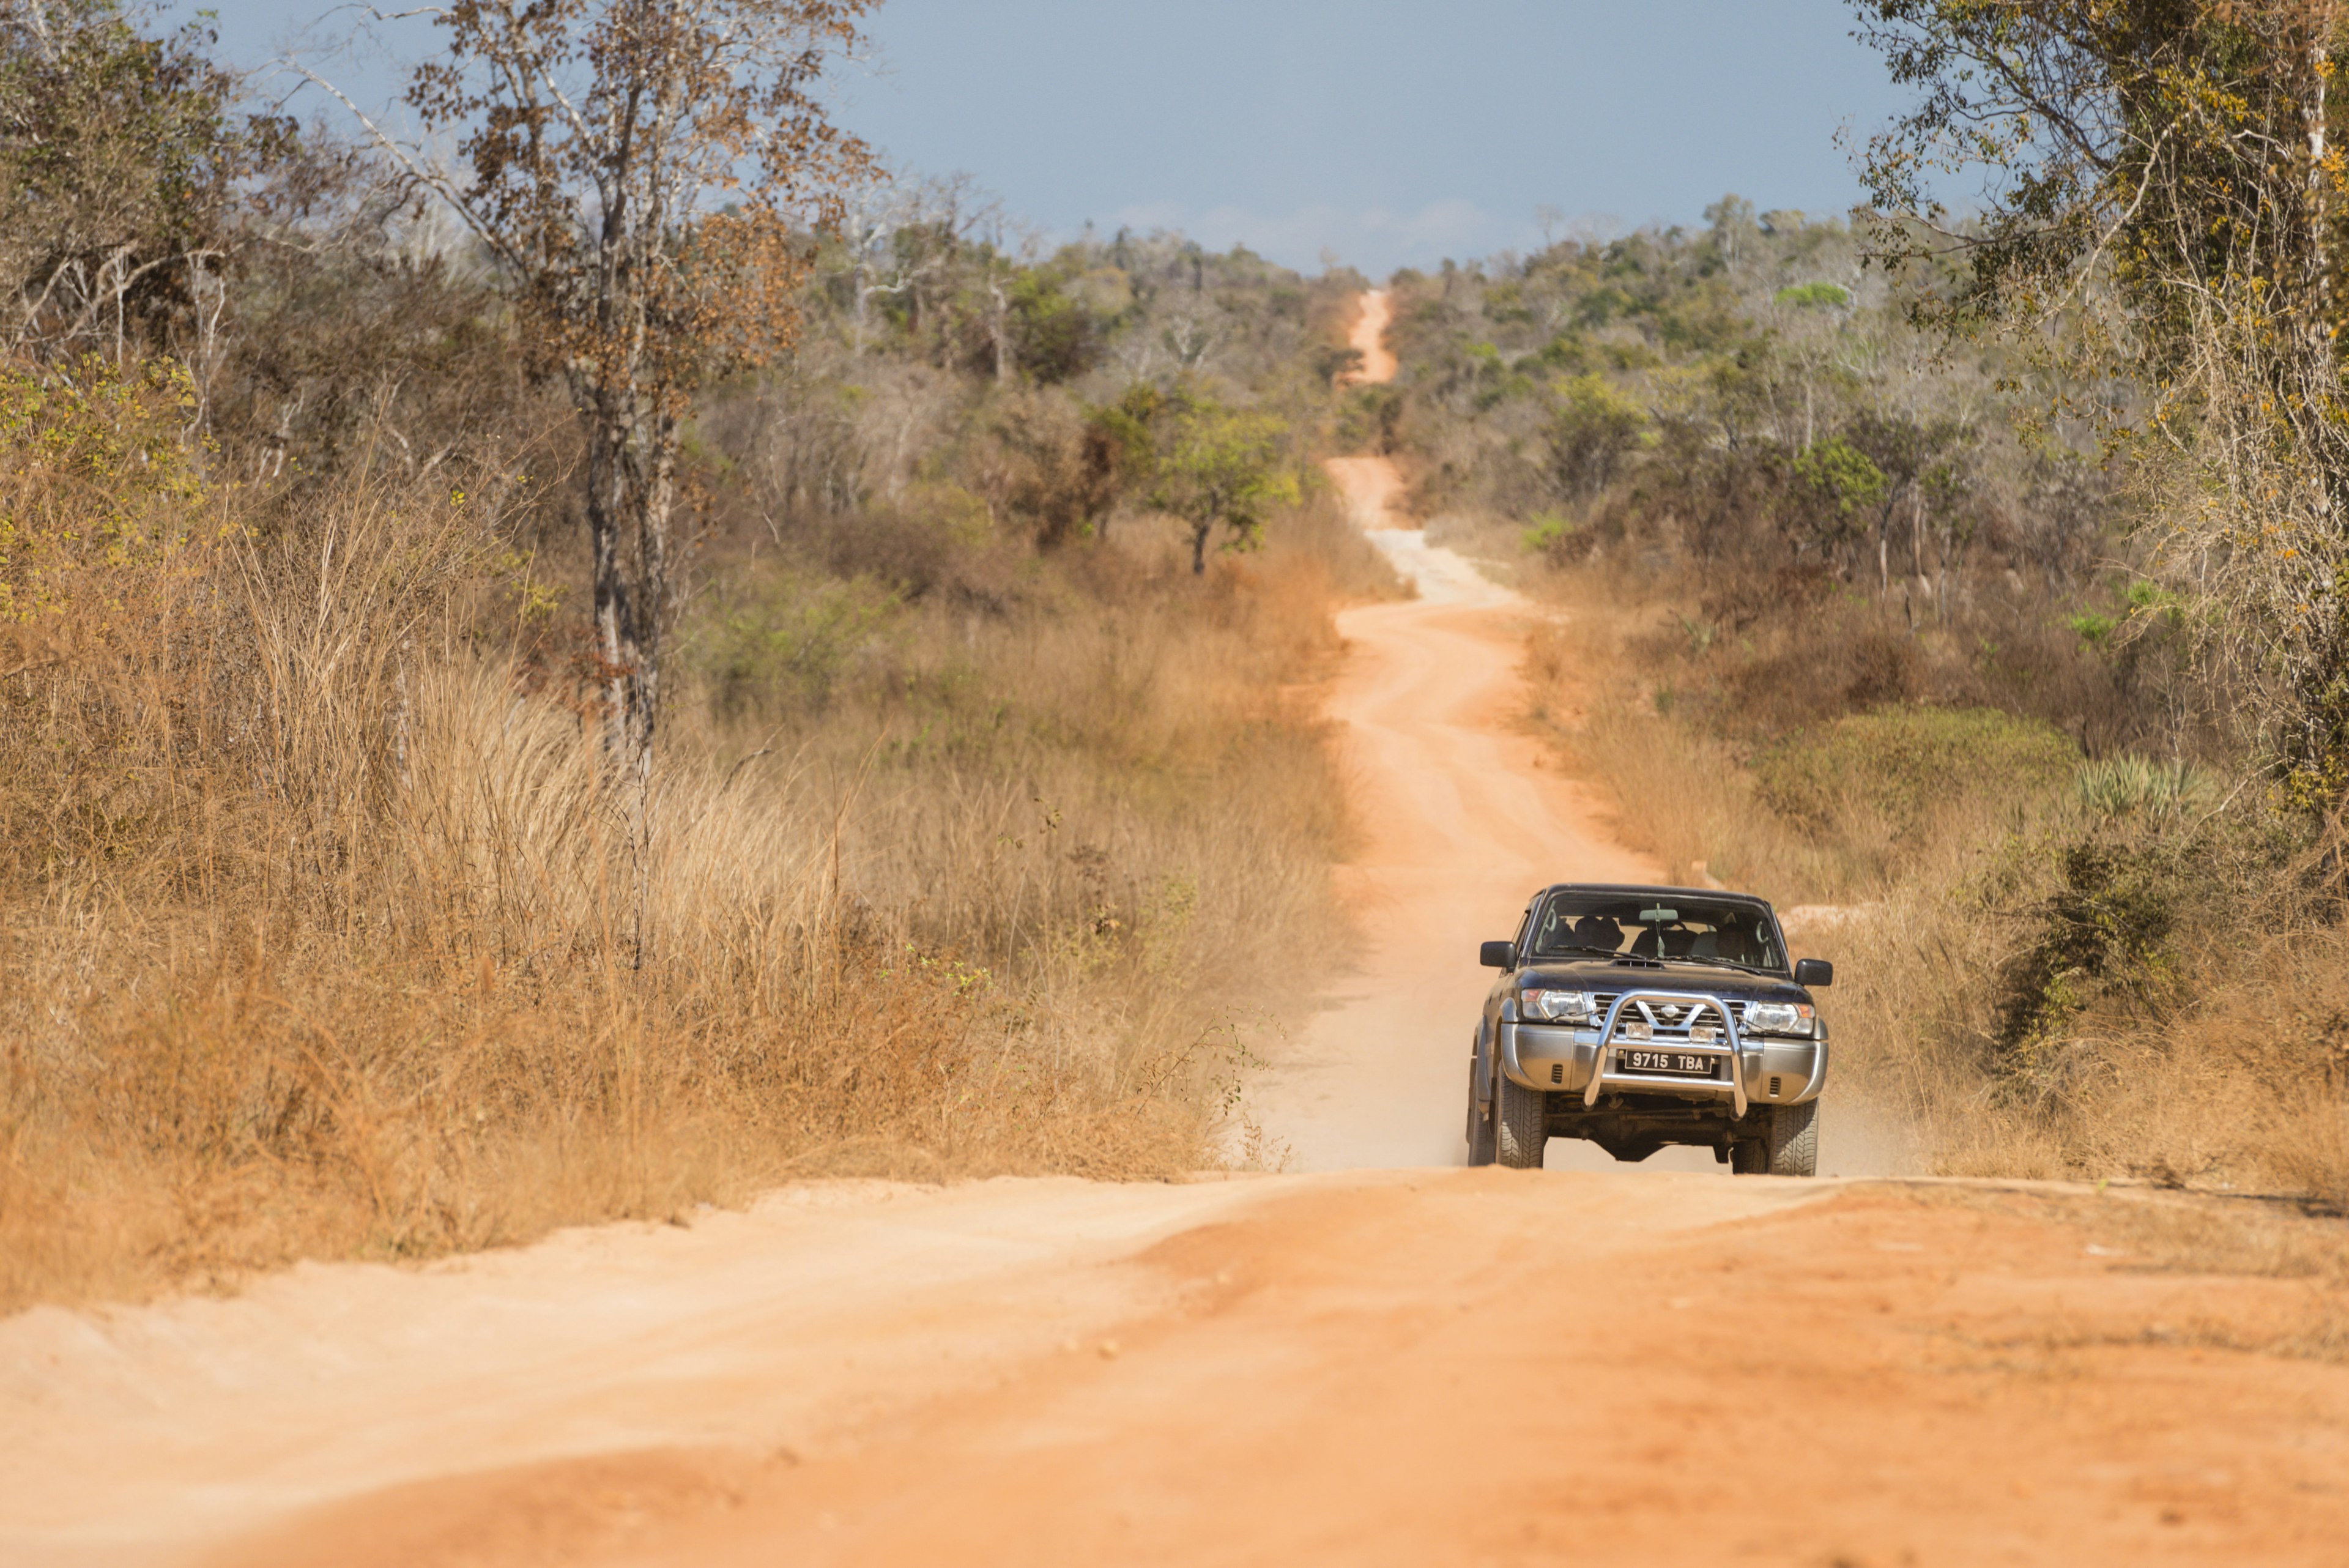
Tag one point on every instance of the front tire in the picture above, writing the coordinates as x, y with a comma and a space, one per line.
1794, 1148
1520, 1124
1789, 1144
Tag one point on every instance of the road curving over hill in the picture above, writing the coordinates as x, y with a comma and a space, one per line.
1376, 1358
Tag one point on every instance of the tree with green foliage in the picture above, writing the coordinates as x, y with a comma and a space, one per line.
97, 489
1121, 454
1593, 429
1917, 462
123, 175
1839, 485
1054, 335
1219, 466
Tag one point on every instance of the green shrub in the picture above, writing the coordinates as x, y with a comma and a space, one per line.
1903, 764
2092, 628
1556, 538
1813, 296
2105, 929
780, 643
97, 485
2139, 787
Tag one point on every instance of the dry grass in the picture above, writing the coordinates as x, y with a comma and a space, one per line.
1683, 796
324, 933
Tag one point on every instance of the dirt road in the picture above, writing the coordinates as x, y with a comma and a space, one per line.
1462, 819
1413, 1365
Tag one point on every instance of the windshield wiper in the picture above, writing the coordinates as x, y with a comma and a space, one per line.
1559, 952
1725, 963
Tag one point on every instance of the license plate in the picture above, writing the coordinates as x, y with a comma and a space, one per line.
1678, 1063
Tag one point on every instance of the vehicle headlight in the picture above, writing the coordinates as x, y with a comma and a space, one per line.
1778, 1017
1547, 1006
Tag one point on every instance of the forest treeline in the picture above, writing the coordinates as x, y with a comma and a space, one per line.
513, 719
1750, 399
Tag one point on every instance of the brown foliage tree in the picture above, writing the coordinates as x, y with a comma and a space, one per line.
645, 172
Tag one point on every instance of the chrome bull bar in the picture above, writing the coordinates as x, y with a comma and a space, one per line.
1731, 1049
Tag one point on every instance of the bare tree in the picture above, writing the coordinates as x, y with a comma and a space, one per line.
902, 238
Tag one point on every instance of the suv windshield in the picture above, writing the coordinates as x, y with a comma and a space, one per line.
1691, 928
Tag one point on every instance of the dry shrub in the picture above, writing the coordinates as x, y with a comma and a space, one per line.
325, 932
1322, 536
2050, 994
2242, 1080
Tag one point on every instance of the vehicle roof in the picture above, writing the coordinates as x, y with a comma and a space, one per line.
1642, 888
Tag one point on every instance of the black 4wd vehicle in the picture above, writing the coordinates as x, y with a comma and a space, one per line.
1637, 1017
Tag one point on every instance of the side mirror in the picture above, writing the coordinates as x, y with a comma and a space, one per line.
1814, 972
1497, 955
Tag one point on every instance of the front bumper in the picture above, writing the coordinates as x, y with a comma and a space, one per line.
1766, 1069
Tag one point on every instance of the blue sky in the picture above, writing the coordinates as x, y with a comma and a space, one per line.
1389, 134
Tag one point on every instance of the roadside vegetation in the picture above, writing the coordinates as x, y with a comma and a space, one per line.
906, 785
1969, 588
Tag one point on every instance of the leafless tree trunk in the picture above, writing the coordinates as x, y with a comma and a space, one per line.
999, 329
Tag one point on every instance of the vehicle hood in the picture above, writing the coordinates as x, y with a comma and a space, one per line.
1598, 974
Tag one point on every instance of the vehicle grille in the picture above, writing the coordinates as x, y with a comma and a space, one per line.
1666, 1026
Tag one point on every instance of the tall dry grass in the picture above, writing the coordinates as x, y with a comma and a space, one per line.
325, 932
